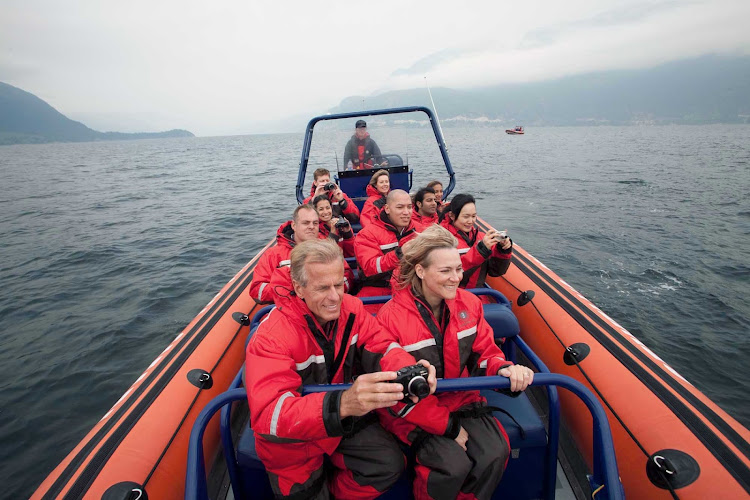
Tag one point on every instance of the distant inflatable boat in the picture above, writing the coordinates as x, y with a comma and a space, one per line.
517, 130
630, 423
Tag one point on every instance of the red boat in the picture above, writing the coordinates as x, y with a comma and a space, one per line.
517, 130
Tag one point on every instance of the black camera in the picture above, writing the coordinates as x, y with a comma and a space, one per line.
414, 380
341, 223
331, 186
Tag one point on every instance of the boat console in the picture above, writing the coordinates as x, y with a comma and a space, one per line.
354, 182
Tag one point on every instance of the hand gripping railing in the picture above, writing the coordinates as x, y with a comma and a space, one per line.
605, 461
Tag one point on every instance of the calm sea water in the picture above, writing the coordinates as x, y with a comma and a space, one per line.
109, 249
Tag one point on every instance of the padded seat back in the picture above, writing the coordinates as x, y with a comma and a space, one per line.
502, 320
252, 472
534, 432
354, 182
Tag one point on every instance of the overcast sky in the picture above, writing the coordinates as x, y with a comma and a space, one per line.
231, 67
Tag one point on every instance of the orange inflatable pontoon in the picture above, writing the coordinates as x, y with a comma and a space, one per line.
670, 440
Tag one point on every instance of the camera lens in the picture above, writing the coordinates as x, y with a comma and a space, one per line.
330, 186
419, 387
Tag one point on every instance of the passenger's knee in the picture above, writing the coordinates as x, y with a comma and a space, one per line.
495, 453
392, 466
460, 466
493, 460
446, 476
451, 466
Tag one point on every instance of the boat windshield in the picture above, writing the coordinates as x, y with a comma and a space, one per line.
399, 142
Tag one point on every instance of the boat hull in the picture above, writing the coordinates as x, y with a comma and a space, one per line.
144, 437
651, 408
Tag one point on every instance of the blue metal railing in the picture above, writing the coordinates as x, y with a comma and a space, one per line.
491, 292
258, 316
226, 418
553, 431
307, 143
605, 462
195, 475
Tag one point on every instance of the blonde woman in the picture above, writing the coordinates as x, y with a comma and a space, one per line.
460, 447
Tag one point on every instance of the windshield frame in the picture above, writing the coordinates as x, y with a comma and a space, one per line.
307, 144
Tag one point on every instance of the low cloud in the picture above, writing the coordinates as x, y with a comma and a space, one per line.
219, 68
636, 36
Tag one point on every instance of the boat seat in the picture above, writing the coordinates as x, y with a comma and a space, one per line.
253, 473
526, 465
502, 320
354, 182
534, 432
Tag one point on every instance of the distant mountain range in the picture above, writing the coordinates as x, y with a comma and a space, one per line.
710, 89
26, 119
704, 90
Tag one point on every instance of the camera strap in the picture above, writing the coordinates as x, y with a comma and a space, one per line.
408, 405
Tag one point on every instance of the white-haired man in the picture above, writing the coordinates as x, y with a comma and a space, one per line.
319, 335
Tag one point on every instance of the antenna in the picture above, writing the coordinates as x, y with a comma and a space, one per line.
434, 108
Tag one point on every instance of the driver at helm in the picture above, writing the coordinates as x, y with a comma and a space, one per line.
361, 149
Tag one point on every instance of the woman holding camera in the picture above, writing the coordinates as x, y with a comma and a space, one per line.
377, 189
461, 449
336, 228
481, 253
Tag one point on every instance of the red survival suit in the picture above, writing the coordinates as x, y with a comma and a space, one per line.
422, 222
478, 261
372, 206
277, 257
294, 432
344, 208
376, 249
459, 344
